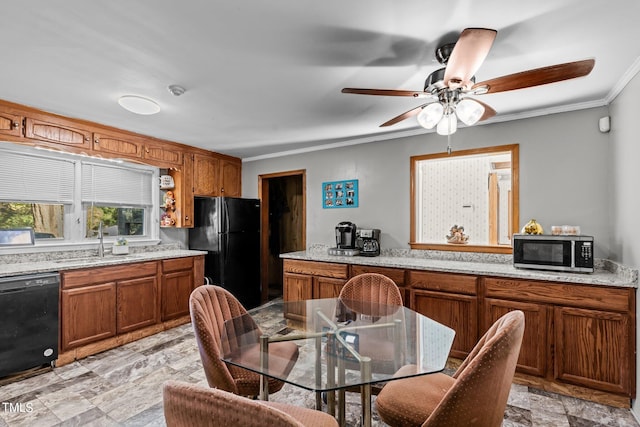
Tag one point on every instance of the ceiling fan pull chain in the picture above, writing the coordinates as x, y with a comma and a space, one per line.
449, 144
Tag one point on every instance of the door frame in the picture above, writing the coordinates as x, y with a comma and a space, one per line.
263, 195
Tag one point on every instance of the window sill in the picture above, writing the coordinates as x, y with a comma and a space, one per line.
494, 249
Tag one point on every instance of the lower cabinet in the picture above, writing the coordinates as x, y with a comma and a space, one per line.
450, 299
575, 334
99, 303
177, 284
592, 349
106, 302
88, 314
304, 280
137, 303
534, 351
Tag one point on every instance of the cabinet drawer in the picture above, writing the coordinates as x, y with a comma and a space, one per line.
585, 296
177, 264
444, 282
96, 275
395, 274
315, 268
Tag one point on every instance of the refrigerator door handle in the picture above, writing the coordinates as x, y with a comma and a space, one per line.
226, 215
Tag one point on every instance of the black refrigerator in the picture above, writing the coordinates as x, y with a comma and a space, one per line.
228, 228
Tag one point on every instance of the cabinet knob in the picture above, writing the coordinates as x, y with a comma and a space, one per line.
15, 125
86, 138
97, 141
186, 218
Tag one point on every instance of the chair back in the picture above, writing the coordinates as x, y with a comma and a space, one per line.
210, 307
189, 405
483, 381
364, 291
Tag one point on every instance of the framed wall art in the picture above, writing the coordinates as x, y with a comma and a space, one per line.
340, 194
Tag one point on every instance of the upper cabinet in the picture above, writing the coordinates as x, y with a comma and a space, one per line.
58, 131
215, 175
196, 172
231, 178
205, 175
10, 122
120, 144
164, 155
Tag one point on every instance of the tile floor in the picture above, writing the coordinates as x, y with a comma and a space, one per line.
122, 387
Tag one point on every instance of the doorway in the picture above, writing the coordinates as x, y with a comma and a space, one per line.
283, 222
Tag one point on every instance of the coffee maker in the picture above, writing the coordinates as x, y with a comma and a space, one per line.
346, 235
368, 241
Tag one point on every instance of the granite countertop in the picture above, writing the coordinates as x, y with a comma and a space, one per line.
44, 262
607, 273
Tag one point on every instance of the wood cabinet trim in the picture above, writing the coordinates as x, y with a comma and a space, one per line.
317, 268
97, 275
565, 294
443, 282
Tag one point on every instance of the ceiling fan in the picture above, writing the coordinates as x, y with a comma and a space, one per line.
450, 88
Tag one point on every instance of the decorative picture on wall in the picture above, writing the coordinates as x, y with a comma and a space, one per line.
340, 194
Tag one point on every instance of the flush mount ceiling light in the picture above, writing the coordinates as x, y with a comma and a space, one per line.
138, 104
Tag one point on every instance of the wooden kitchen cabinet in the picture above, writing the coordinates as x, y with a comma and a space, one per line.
118, 144
587, 338
303, 280
593, 349
10, 121
55, 132
534, 352
162, 155
137, 303
88, 314
230, 178
450, 299
205, 175
98, 303
177, 284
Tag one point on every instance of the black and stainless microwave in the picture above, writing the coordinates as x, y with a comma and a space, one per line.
551, 252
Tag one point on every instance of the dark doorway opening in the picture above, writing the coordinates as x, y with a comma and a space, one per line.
283, 225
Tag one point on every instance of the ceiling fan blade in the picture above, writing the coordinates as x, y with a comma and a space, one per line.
488, 111
403, 116
467, 56
385, 92
538, 76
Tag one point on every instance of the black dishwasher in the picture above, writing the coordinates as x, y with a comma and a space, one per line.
28, 321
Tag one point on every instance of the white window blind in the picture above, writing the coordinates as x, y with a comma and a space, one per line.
116, 185
34, 178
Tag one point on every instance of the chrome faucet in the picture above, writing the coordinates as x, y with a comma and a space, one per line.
101, 237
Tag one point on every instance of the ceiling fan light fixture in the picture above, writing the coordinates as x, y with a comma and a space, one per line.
430, 115
448, 125
469, 111
139, 105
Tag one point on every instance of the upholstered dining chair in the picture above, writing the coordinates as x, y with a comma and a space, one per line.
371, 288
361, 295
210, 307
476, 395
190, 405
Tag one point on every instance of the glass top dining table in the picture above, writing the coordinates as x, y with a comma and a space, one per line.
342, 344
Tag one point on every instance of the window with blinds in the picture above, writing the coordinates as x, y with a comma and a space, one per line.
64, 197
